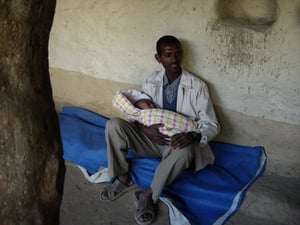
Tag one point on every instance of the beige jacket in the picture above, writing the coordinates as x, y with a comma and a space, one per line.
193, 100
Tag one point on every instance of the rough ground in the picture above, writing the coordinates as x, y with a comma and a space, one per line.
80, 205
271, 200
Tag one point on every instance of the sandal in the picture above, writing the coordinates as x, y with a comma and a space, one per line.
144, 206
116, 190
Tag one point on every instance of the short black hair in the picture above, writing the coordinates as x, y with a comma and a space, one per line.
166, 40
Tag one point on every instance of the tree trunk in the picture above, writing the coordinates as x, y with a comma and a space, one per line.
31, 164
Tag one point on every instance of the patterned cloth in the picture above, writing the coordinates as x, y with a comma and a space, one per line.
173, 122
123, 103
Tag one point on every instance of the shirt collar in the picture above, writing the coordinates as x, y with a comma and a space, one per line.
166, 82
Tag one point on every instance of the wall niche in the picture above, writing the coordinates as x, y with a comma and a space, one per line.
255, 14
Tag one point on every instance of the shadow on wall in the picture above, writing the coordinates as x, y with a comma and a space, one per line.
189, 58
255, 14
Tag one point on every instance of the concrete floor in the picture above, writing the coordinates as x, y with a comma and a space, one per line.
80, 204
269, 201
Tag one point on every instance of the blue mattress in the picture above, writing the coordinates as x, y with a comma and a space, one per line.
209, 197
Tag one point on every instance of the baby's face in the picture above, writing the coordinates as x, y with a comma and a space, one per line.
145, 104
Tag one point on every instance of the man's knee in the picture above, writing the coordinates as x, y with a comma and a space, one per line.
117, 127
185, 154
114, 123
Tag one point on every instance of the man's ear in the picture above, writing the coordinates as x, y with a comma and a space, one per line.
157, 57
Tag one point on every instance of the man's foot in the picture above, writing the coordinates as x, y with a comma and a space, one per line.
144, 214
115, 190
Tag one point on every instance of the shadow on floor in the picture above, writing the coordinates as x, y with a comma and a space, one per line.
80, 204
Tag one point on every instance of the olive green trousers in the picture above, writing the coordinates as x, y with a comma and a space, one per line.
122, 136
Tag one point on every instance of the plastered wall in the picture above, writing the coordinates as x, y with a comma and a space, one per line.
247, 51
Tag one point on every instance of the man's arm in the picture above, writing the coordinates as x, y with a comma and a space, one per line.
207, 125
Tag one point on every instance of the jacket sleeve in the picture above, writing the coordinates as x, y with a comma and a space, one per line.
207, 123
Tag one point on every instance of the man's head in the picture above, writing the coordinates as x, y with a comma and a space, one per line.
167, 39
169, 54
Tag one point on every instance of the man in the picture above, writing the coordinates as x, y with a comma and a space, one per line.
173, 89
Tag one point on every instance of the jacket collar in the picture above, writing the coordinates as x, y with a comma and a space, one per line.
185, 81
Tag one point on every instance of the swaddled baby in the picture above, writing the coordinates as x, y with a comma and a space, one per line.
139, 107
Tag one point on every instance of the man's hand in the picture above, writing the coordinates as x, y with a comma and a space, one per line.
181, 140
152, 132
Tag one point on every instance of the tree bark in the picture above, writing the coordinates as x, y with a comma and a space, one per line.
31, 164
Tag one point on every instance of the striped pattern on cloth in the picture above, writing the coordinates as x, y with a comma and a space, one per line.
124, 104
173, 122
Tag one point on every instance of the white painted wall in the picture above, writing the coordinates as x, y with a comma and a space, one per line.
252, 67
253, 72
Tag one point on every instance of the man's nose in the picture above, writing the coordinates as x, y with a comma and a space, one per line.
174, 58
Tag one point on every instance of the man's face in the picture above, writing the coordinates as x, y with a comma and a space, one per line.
170, 57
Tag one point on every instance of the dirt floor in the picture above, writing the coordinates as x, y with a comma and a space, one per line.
265, 204
80, 205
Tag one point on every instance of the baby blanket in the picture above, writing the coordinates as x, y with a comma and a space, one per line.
173, 122
209, 197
